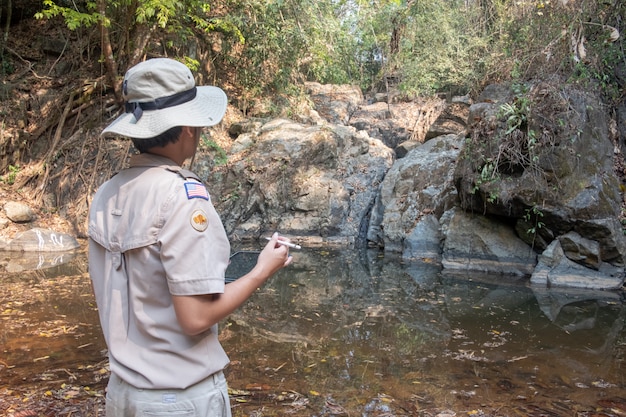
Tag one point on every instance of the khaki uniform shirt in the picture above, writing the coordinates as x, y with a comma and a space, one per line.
154, 233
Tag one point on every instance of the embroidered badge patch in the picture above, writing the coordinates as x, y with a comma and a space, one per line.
196, 190
199, 221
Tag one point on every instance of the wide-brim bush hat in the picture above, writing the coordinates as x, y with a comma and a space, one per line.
161, 93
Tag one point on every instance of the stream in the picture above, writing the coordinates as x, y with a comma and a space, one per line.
353, 333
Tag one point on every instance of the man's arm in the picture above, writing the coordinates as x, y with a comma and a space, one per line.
197, 313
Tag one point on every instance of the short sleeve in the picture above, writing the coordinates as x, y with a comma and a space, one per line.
195, 250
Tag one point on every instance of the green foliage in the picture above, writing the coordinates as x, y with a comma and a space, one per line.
275, 34
74, 18
442, 50
268, 48
486, 179
159, 11
220, 156
331, 63
516, 113
519, 141
533, 217
180, 20
7, 67
12, 175
602, 72
509, 149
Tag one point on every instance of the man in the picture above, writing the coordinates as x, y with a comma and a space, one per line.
158, 252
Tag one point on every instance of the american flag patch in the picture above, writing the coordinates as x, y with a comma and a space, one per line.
196, 190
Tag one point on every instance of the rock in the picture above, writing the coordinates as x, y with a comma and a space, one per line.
553, 300
303, 180
335, 103
424, 241
397, 123
453, 120
495, 93
245, 126
476, 243
42, 240
53, 46
554, 269
421, 183
317, 180
18, 212
580, 250
567, 184
405, 147
4, 222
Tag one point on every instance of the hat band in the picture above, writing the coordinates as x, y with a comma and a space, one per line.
137, 108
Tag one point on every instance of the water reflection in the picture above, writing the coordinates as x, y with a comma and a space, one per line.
15, 261
358, 333
370, 332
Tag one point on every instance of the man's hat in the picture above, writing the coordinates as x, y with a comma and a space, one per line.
161, 93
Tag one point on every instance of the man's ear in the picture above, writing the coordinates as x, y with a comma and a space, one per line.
188, 131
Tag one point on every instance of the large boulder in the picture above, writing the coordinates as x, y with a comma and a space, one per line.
305, 181
551, 174
555, 269
18, 212
476, 243
418, 185
335, 103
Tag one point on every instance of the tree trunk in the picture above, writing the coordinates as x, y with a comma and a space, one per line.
5, 36
142, 36
107, 51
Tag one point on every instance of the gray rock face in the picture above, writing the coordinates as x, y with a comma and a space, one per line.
555, 269
449, 183
421, 183
476, 243
302, 180
490, 209
580, 250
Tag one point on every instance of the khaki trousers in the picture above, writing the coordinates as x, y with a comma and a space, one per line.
208, 398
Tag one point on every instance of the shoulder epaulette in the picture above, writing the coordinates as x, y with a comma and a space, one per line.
184, 173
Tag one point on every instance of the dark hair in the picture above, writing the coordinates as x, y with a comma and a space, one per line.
169, 136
